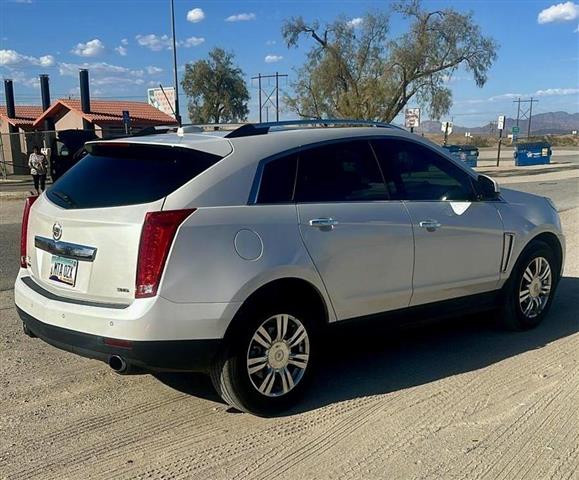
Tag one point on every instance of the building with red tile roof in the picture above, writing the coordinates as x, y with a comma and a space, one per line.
17, 135
104, 115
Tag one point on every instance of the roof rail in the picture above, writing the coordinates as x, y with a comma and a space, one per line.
251, 129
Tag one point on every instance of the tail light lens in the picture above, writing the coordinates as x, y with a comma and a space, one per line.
156, 239
24, 231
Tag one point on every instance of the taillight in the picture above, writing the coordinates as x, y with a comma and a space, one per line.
156, 239
24, 231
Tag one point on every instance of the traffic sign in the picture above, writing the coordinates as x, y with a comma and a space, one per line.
501, 122
515, 130
412, 117
446, 127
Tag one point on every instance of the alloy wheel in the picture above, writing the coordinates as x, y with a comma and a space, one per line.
278, 355
535, 287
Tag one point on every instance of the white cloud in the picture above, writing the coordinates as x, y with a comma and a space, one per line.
505, 96
122, 51
241, 17
549, 92
191, 42
124, 42
270, 42
117, 81
195, 15
99, 68
152, 70
273, 58
576, 30
562, 12
355, 22
92, 48
154, 42
21, 78
13, 58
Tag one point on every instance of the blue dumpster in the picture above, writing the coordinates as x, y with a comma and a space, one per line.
466, 153
535, 153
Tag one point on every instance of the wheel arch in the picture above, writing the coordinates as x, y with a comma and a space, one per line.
279, 290
551, 240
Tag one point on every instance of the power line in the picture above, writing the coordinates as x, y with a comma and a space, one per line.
268, 96
525, 113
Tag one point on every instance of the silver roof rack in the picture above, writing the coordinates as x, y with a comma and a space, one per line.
250, 129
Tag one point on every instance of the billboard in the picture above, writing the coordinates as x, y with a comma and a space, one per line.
156, 98
412, 118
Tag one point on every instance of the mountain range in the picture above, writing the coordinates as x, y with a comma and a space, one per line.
541, 124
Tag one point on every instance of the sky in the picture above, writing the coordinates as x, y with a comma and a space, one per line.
125, 45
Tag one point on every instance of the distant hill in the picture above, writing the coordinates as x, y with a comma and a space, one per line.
541, 124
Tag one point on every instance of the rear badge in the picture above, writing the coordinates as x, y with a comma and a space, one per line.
57, 231
123, 290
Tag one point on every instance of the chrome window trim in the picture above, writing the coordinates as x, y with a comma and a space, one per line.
81, 253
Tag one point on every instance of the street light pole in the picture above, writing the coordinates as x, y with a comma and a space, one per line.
176, 84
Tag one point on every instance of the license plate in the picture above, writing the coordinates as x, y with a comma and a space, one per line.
63, 270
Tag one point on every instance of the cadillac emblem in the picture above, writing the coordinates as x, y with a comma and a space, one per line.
57, 231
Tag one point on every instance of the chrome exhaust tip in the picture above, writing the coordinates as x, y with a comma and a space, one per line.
118, 364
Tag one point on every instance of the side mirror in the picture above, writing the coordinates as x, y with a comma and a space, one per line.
488, 189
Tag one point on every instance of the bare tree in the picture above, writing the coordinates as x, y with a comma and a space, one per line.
355, 70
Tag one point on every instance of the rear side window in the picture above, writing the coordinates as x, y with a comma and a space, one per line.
339, 172
278, 180
113, 176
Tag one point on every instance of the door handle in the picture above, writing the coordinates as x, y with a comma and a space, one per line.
323, 222
430, 225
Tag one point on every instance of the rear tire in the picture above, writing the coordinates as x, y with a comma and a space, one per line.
529, 292
267, 362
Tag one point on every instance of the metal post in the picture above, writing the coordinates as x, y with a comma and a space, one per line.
500, 141
175, 80
518, 110
445, 133
276, 97
259, 87
530, 116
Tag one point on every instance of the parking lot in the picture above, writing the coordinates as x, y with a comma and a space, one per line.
454, 400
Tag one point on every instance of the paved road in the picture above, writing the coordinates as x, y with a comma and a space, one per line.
453, 401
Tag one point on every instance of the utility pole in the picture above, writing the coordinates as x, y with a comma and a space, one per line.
524, 113
268, 95
176, 82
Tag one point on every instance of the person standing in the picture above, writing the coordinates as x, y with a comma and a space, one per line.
38, 167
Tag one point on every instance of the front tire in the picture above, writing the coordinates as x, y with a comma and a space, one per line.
265, 367
529, 292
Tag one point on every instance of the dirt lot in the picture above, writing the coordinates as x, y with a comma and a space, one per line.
459, 400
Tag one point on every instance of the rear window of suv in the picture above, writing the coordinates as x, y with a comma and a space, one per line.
114, 175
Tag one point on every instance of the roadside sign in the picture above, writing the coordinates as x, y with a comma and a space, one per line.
412, 117
501, 122
515, 130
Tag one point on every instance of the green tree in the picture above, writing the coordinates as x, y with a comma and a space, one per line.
354, 70
216, 89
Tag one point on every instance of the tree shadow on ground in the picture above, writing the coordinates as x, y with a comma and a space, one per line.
360, 362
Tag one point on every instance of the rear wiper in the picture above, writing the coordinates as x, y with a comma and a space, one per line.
65, 197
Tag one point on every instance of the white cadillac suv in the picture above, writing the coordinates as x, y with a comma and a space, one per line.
229, 253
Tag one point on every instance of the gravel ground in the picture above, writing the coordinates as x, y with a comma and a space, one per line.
459, 400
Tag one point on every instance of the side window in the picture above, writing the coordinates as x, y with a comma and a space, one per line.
339, 172
414, 172
278, 180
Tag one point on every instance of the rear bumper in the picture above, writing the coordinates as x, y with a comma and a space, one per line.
168, 355
143, 320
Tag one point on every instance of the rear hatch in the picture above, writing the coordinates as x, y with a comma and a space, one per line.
83, 235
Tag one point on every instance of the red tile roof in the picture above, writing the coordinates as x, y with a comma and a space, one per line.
25, 115
111, 112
